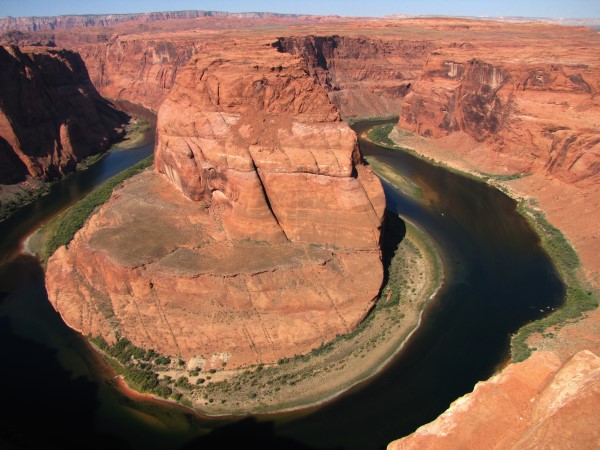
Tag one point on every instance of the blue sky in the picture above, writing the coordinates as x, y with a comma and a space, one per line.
526, 8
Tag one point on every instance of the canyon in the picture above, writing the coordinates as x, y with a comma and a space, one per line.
51, 116
252, 159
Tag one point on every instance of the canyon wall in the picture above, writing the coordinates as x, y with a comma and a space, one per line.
138, 69
256, 238
364, 77
51, 116
539, 116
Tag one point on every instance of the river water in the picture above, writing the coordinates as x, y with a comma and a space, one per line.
58, 392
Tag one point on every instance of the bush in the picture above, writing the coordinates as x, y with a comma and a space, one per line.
577, 300
183, 382
162, 361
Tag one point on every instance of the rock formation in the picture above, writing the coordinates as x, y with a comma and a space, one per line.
51, 116
539, 403
258, 240
363, 77
140, 70
541, 116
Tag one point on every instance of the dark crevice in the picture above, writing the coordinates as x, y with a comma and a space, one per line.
264, 190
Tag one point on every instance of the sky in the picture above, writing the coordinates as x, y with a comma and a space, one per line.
524, 8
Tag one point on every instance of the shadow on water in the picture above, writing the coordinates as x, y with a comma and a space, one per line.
43, 404
394, 231
249, 433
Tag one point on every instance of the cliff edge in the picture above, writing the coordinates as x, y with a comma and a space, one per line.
539, 403
51, 116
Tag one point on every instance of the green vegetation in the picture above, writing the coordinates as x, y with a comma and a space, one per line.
508, 177
22, 197
138, 366
90, 161
577, 300
380, 134
65, 227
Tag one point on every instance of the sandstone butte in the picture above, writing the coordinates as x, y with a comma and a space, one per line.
51, 116
490, 97
256, 238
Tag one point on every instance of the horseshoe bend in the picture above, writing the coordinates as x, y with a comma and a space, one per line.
255, 238
258, 238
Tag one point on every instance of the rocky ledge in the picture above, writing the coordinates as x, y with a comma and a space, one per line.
257, 236
539, 403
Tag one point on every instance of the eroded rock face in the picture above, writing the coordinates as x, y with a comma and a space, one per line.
257, 236
534, 114
539, 403
263, 141
51, 116
364, 77
141, 70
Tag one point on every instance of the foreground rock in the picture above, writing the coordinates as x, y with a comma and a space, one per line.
539, 403
51, 116
261, 239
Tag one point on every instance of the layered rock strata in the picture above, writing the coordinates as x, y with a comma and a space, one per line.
257, 238
539, 403
137, 69
363, 76
51, 116
535, 117
106, 20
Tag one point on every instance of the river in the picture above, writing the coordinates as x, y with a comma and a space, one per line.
58, 392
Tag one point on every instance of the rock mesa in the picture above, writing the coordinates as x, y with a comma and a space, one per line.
257, 236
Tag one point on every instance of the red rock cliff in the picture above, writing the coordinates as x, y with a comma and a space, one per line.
51, 116
363, 76
140, 70
257, 239
542, 116
264, 140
